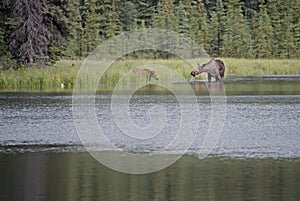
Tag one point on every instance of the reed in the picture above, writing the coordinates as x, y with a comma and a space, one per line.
65, 71
259, 67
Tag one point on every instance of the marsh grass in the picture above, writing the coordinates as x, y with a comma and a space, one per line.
40, 78
259, 67
66, 71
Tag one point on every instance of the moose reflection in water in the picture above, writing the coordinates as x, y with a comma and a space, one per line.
214, 68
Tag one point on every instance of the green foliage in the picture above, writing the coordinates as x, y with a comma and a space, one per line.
91, 28
113, 24
236, 37
43, 32
297, 39
74, 48
128, 14
263, 33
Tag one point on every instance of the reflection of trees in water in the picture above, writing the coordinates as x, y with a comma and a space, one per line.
77, 176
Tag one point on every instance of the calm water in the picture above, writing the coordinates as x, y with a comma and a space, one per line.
256, 158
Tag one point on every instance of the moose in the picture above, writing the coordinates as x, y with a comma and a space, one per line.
214, 68
149, 73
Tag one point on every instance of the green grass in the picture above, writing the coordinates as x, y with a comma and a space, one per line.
50, 78
258, 67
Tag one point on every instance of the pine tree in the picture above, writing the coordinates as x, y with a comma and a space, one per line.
287, 45
158, 19
56, 22
198, 23
145, 9
181, 18
75, 42
91, 36
297, 39
283, 18
128, 14
295, 23
164, 17
288, 42
221, 20
214, 29
5, 57
3, 32
113, 24
235, 39
38, 31
31, 35
273, 8
262, 33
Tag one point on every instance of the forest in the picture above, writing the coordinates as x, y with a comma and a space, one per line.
40, 32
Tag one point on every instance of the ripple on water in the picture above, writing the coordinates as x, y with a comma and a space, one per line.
255, 126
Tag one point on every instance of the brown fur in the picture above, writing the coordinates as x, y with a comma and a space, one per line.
149, 73
214, 68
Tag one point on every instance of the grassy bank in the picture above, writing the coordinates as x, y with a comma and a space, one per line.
65, 71
258, 67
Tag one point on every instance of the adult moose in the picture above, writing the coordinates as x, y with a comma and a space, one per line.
214, 68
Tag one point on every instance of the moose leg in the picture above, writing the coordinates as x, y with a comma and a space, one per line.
218, 78
209, 77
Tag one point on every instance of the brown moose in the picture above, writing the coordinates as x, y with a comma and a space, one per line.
214, 68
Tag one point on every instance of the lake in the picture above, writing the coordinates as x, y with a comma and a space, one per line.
255, 157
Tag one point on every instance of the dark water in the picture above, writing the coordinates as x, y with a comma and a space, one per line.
77, 176
256, 158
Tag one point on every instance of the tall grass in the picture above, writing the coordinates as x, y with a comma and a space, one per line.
66, 71
39, 78
259, 67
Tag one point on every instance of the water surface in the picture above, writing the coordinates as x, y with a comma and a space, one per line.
256, 158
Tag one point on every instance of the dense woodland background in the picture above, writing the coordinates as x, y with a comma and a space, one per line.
39, 32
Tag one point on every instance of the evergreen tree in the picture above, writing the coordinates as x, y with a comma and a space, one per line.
262, 33
113, 24
3, 30
287, 45
273, 7
251, 8
31, 35
221, 20
297, 39
38, 28
295, 23
181, 19
5, 57
235, 39
91, 36
128, 14
288, 42
158, 19
214, 30
75, 44
164, 17
198, 23
283, 18
56, 21
145, 10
